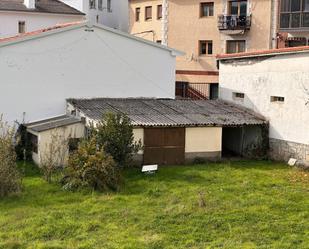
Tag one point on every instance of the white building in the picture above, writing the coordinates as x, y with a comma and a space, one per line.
21, 16
111, 13
274, 83
39, 71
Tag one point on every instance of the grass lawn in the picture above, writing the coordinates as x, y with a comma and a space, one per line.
227, 205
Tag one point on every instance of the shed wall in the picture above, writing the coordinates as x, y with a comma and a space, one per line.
55, 138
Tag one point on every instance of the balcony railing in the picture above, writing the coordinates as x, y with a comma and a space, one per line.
233, 22
196, 91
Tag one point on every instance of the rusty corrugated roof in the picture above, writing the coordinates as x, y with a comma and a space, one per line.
169, 112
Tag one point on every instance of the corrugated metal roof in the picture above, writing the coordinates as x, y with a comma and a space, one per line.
52, 123
169, 112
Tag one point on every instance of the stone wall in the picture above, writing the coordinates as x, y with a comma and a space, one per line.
282, 150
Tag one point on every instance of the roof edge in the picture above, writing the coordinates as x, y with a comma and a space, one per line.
41, 33
263, 53
174, 52
75, 25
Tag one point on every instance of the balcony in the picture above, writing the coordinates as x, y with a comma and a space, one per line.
233, 24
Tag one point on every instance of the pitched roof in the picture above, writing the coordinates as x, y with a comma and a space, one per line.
264, 53
169, 112
52, 123
41, 6
75, 25
37, 32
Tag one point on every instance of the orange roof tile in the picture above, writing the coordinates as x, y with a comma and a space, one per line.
259, 53
36, 32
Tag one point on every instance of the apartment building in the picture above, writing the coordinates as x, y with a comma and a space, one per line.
21, 16
293, 24
202, 29
111, 13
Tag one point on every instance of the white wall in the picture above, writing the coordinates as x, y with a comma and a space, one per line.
286, 76
34, 21
39, 74
118, 18
203, 139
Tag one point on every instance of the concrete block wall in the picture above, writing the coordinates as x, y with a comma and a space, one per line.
281, 150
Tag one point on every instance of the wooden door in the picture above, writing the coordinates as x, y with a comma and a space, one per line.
164, 146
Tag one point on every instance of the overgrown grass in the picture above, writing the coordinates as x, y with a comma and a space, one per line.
227, 205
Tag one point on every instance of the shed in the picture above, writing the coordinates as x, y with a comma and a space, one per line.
48, 137
179, 131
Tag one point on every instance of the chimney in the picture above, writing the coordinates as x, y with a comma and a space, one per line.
30, 4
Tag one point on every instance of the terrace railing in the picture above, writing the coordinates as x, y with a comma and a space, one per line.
234, 22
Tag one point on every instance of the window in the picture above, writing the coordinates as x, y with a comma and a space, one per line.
97, 18
109, 5
148, 13
235, 46
205, 47
92, 4
73, 144
34, 142
100, 4
137, 14
238, 95
159, 12
206, 9
159, 41
238, 8
294, 14
21, 27
276, 99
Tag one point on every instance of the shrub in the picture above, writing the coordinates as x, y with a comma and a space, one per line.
10, 178
90, 167
115, 134
23, 147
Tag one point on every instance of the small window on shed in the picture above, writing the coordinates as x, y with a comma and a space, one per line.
34, 142
276, 99
238, 95
73, 144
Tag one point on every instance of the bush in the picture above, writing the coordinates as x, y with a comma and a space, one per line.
91, 167
23, 147
10, 178
115, 134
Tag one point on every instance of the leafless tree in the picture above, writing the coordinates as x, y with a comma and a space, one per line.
54, 154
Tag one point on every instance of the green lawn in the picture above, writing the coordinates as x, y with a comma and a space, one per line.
228, 205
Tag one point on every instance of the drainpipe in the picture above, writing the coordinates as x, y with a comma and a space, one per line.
274, 22
164, 22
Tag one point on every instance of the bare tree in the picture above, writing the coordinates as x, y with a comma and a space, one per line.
54, 154
10, 178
